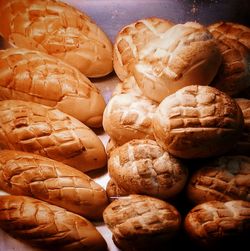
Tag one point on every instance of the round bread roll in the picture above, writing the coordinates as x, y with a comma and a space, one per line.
40, 78
197, 122
143, 167
233, 76
131, 39
58, 29
43, 130
114, 191
242, 147
224, 179
213, 222
186, 54
128, 116
141, 223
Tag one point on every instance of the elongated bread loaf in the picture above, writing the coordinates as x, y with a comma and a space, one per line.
141, 222
143, 167
131, 39
23, 173
46, 226
211, 223
46, 131
186, 54
223, 179
37, 77
58, 29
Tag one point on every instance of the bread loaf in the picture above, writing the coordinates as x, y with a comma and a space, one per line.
223, 179
186, 54
46, 226
143, 167
128, 116
23, 173
114, 191
46, 131
37, 77
213, 222
58, 29
111, 145
141, 222
131, 39
197, 122
233, 76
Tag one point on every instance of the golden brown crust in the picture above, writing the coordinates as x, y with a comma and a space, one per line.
114, 191
46, 131
214, 221
138, 222
37, 77
28, 174
233, 76
58, 29
50, 227
131, 39
197, 121
186, 54
111, 145
223, 179
143, 167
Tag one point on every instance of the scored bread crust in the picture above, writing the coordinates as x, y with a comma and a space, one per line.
186, 54
128, 116
23, 173
233, 41
37, 77
58, 29
47, 226
197, 122
138, 222
143, 167
46, 131
223, 179
211, 222
131, 39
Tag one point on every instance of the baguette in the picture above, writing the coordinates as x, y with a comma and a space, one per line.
58, 29
37, 77
28, 174
47, 226
31, 127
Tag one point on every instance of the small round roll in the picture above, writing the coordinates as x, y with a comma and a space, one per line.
197, 122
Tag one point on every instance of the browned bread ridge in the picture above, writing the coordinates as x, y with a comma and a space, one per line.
233, 76
43, 130
143, 167
28, 174
47, 226
141, 222
223, 179
114, 191
131, 39
186, 54
211, 223
197, 122
37, 77
58, 29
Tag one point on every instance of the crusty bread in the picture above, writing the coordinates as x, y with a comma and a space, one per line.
37, 77
28, 174
186, 54
32, 127
128, 116
58, 29
143, 167
141, 222
111, 145
114, 191
233, 76
223, 179
131, 39
212, 222
197, 122
46, 226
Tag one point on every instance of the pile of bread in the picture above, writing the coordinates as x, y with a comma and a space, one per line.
163, 120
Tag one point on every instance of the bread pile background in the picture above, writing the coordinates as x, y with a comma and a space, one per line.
178, 154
